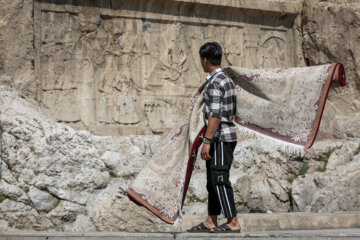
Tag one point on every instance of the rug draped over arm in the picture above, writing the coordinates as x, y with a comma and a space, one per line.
283, 105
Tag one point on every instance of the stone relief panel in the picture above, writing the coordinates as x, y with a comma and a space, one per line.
58, 65
58, 54
273, 50
114, 74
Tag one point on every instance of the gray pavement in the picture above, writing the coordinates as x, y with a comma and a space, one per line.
343, 233
252, 222
295, 225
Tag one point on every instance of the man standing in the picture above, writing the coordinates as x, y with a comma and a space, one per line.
219, 142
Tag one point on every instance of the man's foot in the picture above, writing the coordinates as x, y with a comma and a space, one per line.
202, 227
227, 228
234, 225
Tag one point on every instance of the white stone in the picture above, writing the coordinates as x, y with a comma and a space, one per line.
12, 206
110, 210
10, 190
66, 211
42, 201
124, 75
81, 224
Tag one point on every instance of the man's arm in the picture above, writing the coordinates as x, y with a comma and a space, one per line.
216, 100
213, 125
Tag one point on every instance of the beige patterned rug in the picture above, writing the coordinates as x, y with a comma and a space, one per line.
283, 105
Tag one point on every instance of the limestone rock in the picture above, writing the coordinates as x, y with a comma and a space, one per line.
73, 179
109, 71
66, 211
17, 45
81, 224
22, 216
13, 206
266, 180
42, 201
110, 210
331, 34
5, 227
329, 191
102, 68
59, 178
5, 172
12, 191
195, 208
261, 185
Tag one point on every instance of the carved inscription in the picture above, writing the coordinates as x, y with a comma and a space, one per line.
115, 74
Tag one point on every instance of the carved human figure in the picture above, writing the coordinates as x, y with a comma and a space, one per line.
273, 52
124, 108
170, 54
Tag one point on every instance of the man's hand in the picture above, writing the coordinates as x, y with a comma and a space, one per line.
205, 151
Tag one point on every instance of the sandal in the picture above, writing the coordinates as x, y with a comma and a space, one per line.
199, 228
224, 228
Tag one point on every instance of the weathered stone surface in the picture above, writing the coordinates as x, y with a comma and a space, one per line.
42, 201
260, 174
130, 68
111, 210
12, 206
65, 179
12, 191
81, 224
328, 191
17, 45
65, 212
266, 180
113, 69
331, 34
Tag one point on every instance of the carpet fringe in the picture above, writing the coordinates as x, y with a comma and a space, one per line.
283, 146
177, 223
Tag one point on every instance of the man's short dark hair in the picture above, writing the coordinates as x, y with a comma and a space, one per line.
212, 51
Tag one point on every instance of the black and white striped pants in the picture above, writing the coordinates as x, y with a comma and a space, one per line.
221, 196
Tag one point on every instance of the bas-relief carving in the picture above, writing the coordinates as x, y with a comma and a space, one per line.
266, 48
273, 49
234, 47
110, 72
170, 53
58, 65
58, 53
116, 103
163, 113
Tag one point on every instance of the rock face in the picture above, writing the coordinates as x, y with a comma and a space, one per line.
330, 190
57, 178
17, 44
331, 34
266, 180
53, 177
130, 67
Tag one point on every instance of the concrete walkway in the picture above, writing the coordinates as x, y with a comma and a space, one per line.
339, 225
348, 233
252, 222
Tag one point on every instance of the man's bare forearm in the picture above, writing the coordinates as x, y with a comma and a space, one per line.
213, 125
